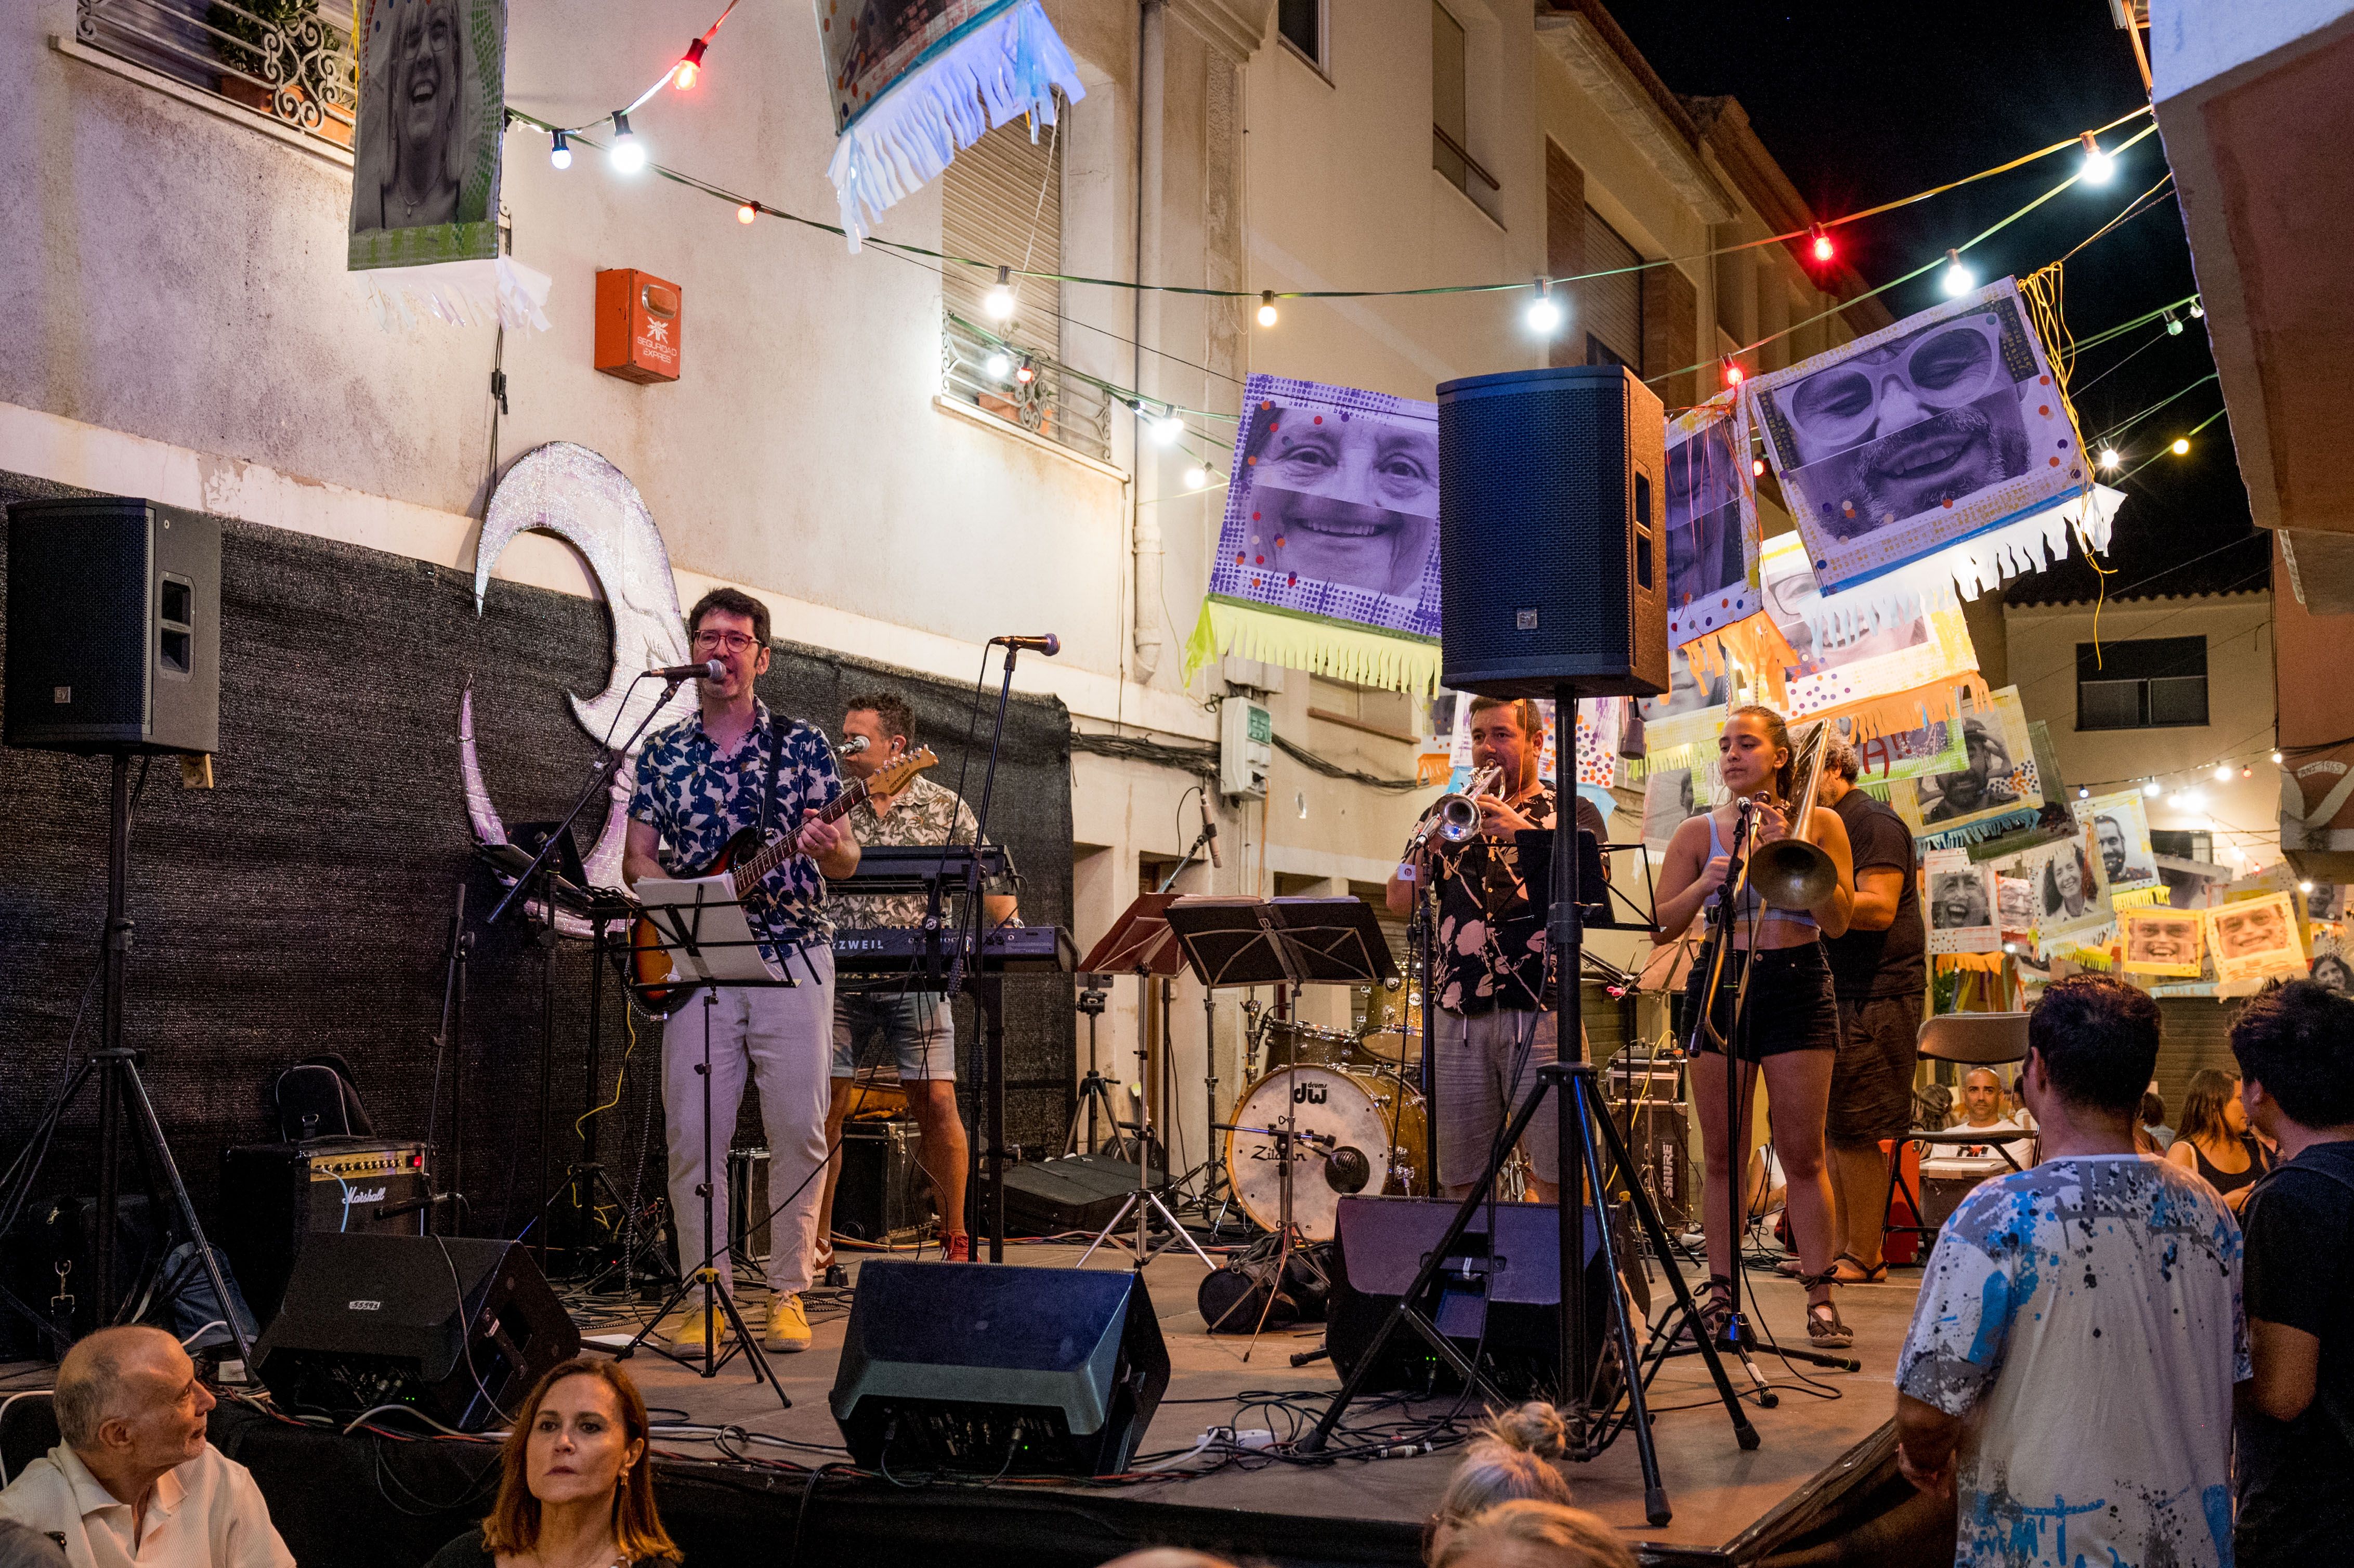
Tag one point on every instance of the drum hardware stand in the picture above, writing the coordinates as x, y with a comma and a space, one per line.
116, 1067
1144, 1203
1095, 1091
1591, 1427
1287, 1232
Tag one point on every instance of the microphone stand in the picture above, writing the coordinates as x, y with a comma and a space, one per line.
989, 1086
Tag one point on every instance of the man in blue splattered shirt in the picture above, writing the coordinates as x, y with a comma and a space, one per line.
734, 766
2070, 1367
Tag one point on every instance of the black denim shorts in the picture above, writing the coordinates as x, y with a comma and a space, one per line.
1789, 1006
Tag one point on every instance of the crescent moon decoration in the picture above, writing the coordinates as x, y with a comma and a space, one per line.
569, 490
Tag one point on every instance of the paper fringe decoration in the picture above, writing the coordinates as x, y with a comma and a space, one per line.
1980, 832
1753, 643
1984, 963
2137, 897
1009, 65
1338, 649
495, 290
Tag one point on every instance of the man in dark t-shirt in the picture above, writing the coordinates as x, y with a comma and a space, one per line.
2296, 1425
1879, 975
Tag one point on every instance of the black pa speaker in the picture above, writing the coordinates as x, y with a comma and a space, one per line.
1075, 1193
988, 1368
456, 1329
1498, 1297
1552, 550
113, 627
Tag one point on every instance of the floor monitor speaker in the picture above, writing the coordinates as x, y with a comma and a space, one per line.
1552, 553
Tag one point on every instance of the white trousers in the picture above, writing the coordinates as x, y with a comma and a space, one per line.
781, 1039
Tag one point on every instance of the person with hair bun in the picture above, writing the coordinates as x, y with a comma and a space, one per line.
1788, 1025
1530, 1533
1510, 1459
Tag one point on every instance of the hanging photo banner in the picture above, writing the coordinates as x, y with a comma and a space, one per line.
1881, 759
2116, 830
1328, 559
913, 84
1897, 674
2071, 901
2253, 939
1598, 719
1671, 796
1961, 904
1711, 520
1915, 437
1997, 789
2163, 942
1680, 724
2014, 898
425, 150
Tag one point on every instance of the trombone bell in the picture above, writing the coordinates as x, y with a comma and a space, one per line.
1790, 873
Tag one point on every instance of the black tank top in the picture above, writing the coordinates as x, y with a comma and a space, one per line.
2232, 1180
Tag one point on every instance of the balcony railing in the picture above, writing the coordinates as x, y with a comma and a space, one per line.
1063, 409
283, 59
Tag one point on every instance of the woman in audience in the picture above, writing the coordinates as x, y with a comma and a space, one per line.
1531, 1534
2213, 1138
1510, 1458
576, 1484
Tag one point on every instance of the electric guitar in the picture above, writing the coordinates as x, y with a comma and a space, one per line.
747, 863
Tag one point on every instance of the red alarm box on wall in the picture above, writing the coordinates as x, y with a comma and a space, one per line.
638, 320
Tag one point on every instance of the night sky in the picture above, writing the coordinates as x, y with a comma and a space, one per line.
1859, 111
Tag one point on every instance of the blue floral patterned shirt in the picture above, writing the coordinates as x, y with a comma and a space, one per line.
697, 800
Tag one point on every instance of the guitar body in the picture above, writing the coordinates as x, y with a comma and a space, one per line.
650, 965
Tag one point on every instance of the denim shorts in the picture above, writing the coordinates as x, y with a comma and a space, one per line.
917, 1026
1789, 1006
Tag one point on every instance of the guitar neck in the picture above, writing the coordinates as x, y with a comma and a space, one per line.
786, 845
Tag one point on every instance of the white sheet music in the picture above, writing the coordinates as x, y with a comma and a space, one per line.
705, 910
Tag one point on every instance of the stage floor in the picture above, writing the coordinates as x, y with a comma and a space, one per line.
1822, 1440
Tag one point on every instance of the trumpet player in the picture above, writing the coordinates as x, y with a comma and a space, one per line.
1494, 1017
1786, 1027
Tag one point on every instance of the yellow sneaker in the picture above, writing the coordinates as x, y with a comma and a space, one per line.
788, 1327
695, 1328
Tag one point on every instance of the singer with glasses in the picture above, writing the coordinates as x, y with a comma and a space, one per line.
732, 766
1493, 1014
918, 1026
1786, 1026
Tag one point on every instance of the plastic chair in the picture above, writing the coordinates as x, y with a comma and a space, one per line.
1970, 1039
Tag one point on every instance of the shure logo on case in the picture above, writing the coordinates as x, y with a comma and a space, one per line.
364, 1306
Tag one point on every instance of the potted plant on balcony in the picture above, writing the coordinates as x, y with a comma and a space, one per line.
285, 60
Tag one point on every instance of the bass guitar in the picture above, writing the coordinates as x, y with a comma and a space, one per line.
655, 985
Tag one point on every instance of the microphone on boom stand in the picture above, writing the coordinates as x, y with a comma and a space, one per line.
709, 670
1046, 642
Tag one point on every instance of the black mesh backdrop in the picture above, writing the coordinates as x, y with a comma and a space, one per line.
303, 904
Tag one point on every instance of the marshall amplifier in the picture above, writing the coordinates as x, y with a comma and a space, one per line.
273, 1194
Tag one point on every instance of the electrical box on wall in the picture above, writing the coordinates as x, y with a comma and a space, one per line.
1246, 747
638, 320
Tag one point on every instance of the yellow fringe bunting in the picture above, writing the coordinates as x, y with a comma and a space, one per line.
1984, 963
2137, 898
1335, 649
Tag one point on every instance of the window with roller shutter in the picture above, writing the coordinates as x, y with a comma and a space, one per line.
1614, 304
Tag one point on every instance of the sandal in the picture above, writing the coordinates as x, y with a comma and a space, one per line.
1874, 1274
1716, 1301
1825, 1331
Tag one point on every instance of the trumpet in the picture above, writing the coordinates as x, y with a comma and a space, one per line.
1790, 873
1458, 815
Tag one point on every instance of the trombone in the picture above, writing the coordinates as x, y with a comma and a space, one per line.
1791, 872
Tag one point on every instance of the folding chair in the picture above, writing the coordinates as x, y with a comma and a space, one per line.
1967, 1039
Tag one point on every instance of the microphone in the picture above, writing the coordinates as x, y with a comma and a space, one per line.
1209, 828
709, 670
854, 744
1046, 642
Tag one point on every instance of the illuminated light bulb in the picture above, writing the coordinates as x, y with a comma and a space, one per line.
2150, 788
2276, 757
2181, 446
1822, 247
2082, 793
1959, 279
2098, 165
999, 303
2197, 308
748, 212
1757, 468
1027, 372
999, 365
1166, 430
2109, 458
1543, 315
1733, 373
628, 154
2010, 947
2173, 324
1267, 307
2222, 773
2174, 801
683, 77
2246, 771
559, 152
2305, 887
1196, 476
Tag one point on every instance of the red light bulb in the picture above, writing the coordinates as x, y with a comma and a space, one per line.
683, 77
1732, 374
1823, 248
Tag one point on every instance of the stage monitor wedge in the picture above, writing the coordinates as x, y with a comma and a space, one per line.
991, 1368
1552, 540
114, 637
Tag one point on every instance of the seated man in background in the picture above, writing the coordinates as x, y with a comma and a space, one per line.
2069, 1371
2296, 1047
135, 1481
1981, 1112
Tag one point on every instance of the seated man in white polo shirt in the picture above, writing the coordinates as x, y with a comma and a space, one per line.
134, 1484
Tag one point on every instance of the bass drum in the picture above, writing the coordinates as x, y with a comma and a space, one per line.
1360, 1132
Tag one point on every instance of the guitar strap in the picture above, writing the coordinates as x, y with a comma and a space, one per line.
776, 769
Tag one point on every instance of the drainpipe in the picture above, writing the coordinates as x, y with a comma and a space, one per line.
1146, 611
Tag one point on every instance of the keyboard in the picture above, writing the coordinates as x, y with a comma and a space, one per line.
898, 949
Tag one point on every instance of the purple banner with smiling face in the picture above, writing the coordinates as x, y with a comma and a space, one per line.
1328, 559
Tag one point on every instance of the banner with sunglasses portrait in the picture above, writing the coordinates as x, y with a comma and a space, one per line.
1711, 521
1918, 436
2253, 939
432, 116
1998, 787
1327, 559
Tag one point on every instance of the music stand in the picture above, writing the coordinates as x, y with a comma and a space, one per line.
1140, 943
701, 924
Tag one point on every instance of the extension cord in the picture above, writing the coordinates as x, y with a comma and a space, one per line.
1252, 1437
